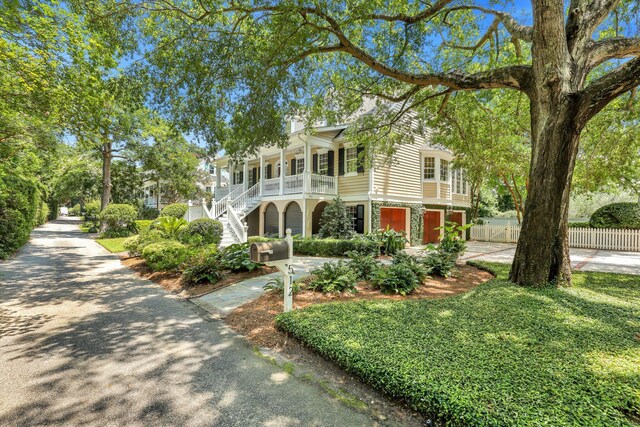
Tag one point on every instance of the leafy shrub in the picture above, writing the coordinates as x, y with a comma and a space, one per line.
170, 226
334, 277
119, 219
204, 265
389, 241
75, 210
142, 224
43, 213
616, 215
277, 285
365, 265
236, 258
147, 213
396, 278
336, 221
19, 200
92, 210
176, 210
414, 263
135, 244
450, 240
164, 255
131, 245
209, 230
439, 263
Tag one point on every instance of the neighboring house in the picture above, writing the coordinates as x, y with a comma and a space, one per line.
153, 196
289, 188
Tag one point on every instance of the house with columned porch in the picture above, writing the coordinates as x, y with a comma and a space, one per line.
280, 188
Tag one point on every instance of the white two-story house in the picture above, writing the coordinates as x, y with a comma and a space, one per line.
415, 191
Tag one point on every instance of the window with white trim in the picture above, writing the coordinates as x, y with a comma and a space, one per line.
444, 170
299, 165
237, 177
351, 160
429, 171
458, 178
464, 182
323, 163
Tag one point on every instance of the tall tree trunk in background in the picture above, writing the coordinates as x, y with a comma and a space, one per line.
106, 175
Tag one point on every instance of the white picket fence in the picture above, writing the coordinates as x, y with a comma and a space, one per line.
594, 238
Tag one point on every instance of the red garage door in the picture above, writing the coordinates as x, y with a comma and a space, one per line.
431, 222
457, 218
395, 218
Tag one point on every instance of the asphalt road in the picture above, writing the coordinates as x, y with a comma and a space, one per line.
83, 341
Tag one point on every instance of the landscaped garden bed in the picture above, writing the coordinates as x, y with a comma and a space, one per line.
498, 354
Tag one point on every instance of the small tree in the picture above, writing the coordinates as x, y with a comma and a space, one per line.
336, 221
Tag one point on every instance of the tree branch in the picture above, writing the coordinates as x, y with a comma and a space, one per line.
584, 16
522, 32
613, 48
605, 89
407, 19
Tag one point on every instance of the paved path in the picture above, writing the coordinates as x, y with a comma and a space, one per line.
224, 301
581, 259
83, 341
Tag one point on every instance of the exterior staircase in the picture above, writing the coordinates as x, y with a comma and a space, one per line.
232, 209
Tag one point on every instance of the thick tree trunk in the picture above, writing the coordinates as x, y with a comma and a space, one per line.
542, 254
106, 175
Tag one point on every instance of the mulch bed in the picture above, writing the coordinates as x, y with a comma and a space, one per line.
173, 282
256, 319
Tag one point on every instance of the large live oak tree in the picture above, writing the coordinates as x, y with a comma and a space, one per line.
231, 69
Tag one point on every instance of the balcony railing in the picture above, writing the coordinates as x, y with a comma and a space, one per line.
271, 187
293, 184
311, 183
322, 184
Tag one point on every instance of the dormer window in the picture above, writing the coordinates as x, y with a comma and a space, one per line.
429, 171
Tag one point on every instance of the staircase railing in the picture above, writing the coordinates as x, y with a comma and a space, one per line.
239, 229
245, 200
220, 206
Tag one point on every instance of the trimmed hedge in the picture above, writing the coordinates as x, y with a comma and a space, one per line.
327, 247
21, 209
209, 230
616, 215
176, 210
499, 354
165, 255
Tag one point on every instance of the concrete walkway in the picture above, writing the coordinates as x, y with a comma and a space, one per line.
581, 259
83, 341
224, 301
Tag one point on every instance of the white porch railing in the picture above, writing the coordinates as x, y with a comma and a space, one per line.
322, 184
220, 206
239, 229
293, 184
593, 238
271, 187
245, 200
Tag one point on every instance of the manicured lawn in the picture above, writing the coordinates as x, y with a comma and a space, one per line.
113, 245
497, 355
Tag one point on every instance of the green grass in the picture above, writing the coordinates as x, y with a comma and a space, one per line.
113, 245
497, 355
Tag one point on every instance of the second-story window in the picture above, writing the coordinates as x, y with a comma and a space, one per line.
237, 177
444, 170
299, 165
323, 164
351, 160
429, 168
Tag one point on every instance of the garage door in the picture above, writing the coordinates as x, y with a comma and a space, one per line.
395, 218
293, 218
431, 222
457, 218
271, 220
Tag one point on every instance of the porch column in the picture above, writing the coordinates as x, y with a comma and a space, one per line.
260, 178
218, 176
306, 183
283, 171
245, 175
304, 212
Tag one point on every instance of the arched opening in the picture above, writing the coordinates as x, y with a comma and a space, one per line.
293, 218
271, 220
315, 217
